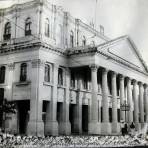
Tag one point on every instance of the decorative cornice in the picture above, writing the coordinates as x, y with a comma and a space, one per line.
18, 6
19, 47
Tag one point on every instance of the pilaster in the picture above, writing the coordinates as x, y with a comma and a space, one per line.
78, 107
51, 125
65, 126
11, 67
35, 124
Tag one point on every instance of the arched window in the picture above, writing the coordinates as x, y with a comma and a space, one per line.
47, 29
47, 73
71, 39
60, 76
2, 74
28, 26
83, 41
23, 72
7, 31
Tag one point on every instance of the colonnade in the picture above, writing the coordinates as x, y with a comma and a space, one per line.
138, 102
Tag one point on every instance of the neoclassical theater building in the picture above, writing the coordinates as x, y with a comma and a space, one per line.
66, 77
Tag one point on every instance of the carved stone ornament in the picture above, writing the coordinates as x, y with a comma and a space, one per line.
11, 66
94, 67
37, 63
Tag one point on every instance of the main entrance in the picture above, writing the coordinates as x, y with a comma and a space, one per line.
23, 116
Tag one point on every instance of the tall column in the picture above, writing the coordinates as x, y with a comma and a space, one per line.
51, 125
35, 124
78, 107
122, 97
146, 101
106, 126
129, 101
136, 106
94, 125
65, 126
115, 124
141, 105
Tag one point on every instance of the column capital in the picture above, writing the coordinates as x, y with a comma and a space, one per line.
113, 73
145, 85
105, 70
94, 67
56, 65
36, 63
140, 83
134, 81
11, 66
121, 77
128, 79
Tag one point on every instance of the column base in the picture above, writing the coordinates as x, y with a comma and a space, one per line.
137, 126
65, 128
78, 126
116, 127
142, 125
105, 128
51, 128
35, 128
13, 125
94, 128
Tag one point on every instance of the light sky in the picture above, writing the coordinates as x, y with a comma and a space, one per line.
119, 17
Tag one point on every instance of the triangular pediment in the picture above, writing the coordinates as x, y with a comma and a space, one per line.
123, 49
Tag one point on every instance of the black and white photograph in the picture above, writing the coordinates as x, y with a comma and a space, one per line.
73, 73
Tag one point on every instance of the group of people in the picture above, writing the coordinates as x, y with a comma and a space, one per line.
127, 130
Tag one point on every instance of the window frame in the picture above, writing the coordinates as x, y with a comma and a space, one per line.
47, 27
23, 72
2, 74
61, 78
83, 41
7, 31
28, 26
47, 78
71, 39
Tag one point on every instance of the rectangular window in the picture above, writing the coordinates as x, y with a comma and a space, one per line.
47, 73
72, 80
23, 73
60, 76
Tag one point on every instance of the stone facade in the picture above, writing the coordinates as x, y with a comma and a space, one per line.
66, 77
